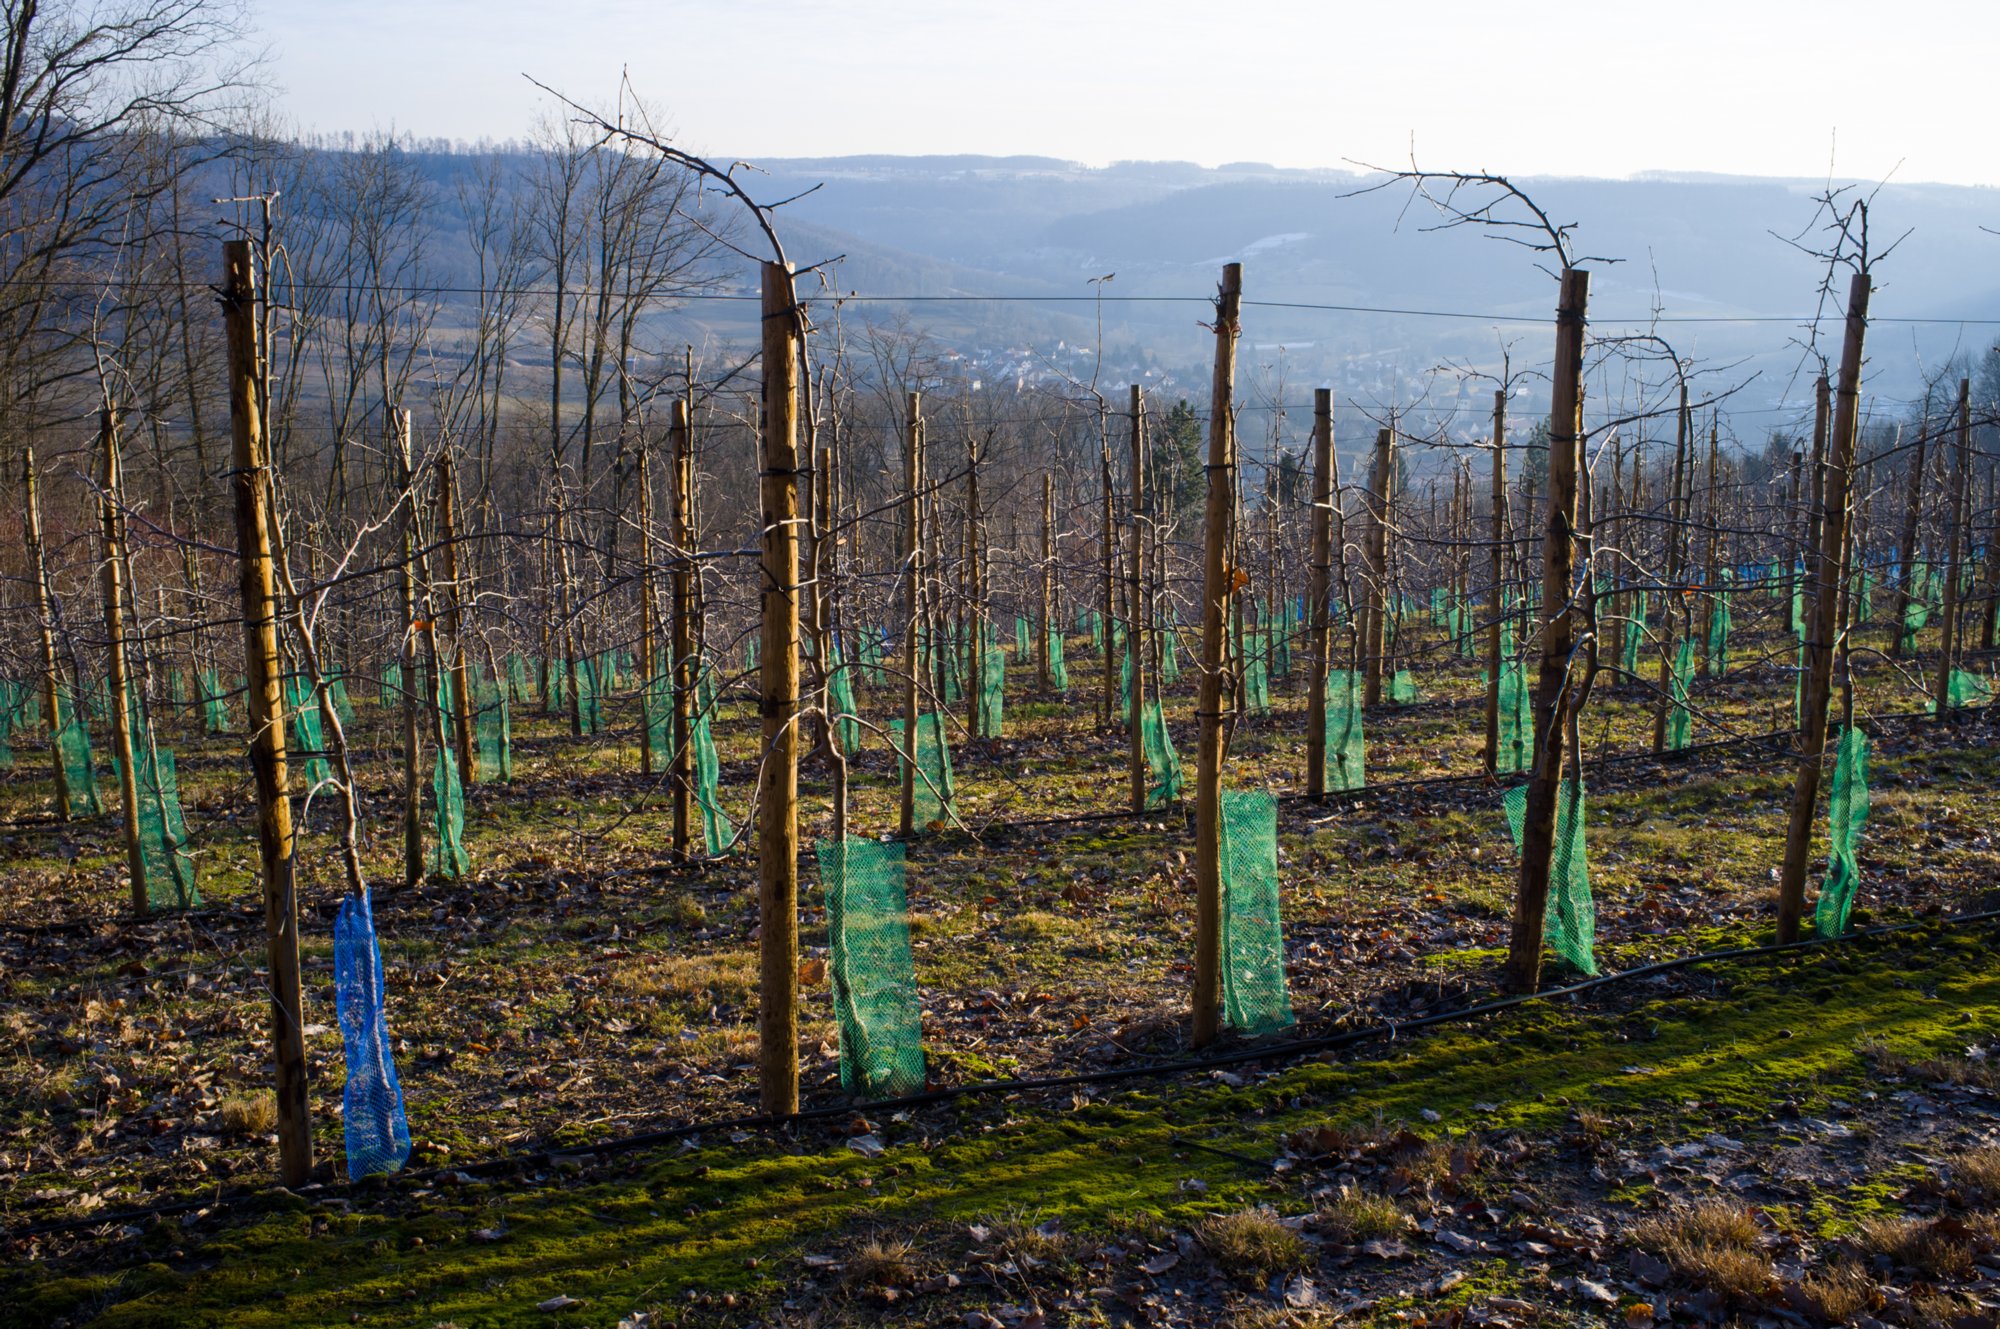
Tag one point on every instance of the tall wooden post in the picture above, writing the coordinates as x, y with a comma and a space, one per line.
411, 661
681, 520
1559, 674
1048, 624
1318, 590
1381, 480
1713, 562
249, 479
1961, 494
45, 625
1672, 602
1137, 606
1217, 589
1824, 629
974, 573
913, 577
1913, 507
1108, 716
1496, 582
112, 524
648, 611
778, 667
454, 615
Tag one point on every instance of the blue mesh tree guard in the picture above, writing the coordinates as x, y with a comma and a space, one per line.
372, 1118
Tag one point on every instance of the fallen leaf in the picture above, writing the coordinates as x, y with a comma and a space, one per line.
1160, 1263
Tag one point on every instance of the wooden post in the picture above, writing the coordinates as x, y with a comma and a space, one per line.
1496, 582
1713, 562
45, 625
1318, 589
975, 593
249, 462
1218, 586
454, 614
778, 667
681, 520
413, 684
1961, 490
112, 523
1824, 628
1554, 685
913, 576
1672, 602
1137, 605
648, 759
1048, 580
1108, 716
1381, 477
1913, 508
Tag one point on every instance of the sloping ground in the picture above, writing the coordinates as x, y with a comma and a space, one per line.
1808, 1139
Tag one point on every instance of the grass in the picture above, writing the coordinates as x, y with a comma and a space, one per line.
1711, 1244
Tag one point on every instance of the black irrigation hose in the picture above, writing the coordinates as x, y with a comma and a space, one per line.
1289, 1049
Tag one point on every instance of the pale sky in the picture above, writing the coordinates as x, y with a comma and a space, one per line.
1611, 88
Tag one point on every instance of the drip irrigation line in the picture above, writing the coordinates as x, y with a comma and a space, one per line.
1283, 1051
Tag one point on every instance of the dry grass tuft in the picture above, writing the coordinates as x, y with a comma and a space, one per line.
1253, 1245
249, 1114
1841, 1294
879, 1263
1358, 1215
1712, 1244
1932, 1249
1975, 1177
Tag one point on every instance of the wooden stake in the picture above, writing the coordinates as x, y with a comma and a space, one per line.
1136, 606
461, 675
45, 624
648, 759
1381, 480
413, 683
249, 462
112, 522
1218, 586
1048, 580
913, 577
1496, 582
1961, 491
1318, 591
1823, 630
1558, 680
681, 522
778, 667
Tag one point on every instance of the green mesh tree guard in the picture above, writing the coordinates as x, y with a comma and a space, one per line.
750, 649
495, 734
1346, 748
163, 847
871, 969
1124, 686
1022, 644
1097, 631
589, 697
1635, 634
1863, 597
1058, 670
1798, 608
1846, 818
1438, 608
177, 686
934, 786
1917, 611
1516, 748
336, 691
1680, 716
73, 749
1718, 635
1163, 764
1256, 687
517, 676
308, 736
214, 706
1170, 657
840, 697
716, 829
1403, 688
1962, 689
390, 693
992, 690
1255, 997
1570, 923
448, 857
